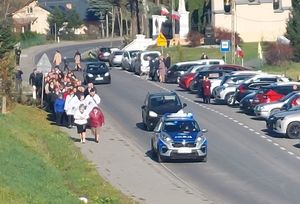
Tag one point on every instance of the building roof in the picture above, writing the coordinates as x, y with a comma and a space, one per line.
80, 6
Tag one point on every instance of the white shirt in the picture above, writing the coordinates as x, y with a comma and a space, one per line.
71, 104
92, 102
80, 118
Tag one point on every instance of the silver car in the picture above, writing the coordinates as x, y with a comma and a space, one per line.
264, 110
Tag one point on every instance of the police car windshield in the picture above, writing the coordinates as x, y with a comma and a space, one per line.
181, 126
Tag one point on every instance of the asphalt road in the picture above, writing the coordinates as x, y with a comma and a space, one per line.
244, 164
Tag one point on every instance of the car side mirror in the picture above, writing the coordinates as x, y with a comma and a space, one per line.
184, 105
204, 130
143, 107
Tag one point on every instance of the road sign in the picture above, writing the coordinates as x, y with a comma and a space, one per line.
44, 64
225, 46
161, 40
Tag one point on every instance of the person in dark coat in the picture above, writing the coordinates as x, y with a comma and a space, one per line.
206, 90
59, 105
18, 55
168, 61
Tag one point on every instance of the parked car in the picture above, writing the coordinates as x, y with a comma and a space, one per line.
158, 104
96, 73
178, 136
264, 110
141, 62
128, 58
246, 103
211, 61
176, 70
231, 67
225, 93
115, 58
212, 76
286, 123
275, 92
255, 83
185, 79
104, 54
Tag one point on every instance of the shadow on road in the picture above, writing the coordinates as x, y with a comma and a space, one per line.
297, 145
140, 126
272, 134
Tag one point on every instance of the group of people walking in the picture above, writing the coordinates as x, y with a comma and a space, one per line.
68, 100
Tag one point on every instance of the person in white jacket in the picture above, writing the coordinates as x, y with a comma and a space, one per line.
81, 117
92, 100
71, 106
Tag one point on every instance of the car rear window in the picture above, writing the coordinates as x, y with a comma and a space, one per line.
105, 49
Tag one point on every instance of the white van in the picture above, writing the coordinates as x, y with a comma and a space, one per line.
141, 64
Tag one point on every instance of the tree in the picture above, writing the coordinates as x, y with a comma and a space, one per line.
57, 18
293, 28
7, 39
73, 20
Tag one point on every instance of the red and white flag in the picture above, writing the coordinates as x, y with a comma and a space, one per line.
164, 11
175, 15
239, 52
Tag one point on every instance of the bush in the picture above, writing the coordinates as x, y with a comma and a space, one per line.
277, 54
224, 34
195, 38
29, 39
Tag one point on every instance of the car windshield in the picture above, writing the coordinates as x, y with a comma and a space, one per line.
96, 67
151, 55
118, 53
169, 100
287, 97
181, 126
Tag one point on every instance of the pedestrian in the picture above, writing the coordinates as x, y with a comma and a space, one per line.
204, 56
96, 122
81, 117
59, 105
70, 106
77, 59
57, 58
168, 61
206, 90
162, 69
92, 100
88, 89
19, 79
32, 83
66, 64
18, 55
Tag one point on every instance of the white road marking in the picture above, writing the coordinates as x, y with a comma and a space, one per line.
262, 136
251, 130
282, 148
269, 140
276, 144
291, 153
257, 133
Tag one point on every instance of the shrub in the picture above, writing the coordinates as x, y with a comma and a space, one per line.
277, 54
29, 39
195, 38
224, 34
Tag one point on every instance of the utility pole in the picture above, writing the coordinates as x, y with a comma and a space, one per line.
137, 17
173, 21
106, 18
55, 32
233, 30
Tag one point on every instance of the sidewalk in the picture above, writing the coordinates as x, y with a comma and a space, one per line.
123, 164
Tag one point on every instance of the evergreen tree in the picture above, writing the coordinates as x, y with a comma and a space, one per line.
293, 28
7, 39
57, 17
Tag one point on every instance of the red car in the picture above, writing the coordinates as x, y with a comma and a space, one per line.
275, 92
185, 79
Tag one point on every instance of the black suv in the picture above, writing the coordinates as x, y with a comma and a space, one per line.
178, 69
158, 104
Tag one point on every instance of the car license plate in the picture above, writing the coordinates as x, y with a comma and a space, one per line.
99, 78
184, 150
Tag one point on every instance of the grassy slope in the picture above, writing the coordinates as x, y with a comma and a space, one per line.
40, 164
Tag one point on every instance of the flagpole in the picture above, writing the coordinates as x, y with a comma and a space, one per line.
173, 20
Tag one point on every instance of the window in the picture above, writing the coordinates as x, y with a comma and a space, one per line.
29, 10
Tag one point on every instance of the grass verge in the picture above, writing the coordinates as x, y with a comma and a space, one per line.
40, 164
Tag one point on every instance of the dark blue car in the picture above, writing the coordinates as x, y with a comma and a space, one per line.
178, 136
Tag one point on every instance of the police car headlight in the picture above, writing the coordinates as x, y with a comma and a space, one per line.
152, 114
166, 138
106, 74
90, 75
199, 139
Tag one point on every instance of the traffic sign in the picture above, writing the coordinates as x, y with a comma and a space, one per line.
161, 40
44, 64
225, 46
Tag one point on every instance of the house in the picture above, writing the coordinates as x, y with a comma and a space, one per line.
31, 17
255, 20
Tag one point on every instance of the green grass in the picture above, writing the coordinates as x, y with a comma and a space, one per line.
40, 164
291, 70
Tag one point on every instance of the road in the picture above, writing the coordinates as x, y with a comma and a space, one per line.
244, 164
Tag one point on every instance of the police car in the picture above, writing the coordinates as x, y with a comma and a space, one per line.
178, 136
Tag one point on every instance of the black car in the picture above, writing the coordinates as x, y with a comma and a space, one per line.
246, 104
158, 104
178, 69
97, 73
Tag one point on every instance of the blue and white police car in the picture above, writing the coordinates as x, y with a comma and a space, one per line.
178, 136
